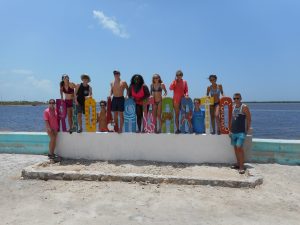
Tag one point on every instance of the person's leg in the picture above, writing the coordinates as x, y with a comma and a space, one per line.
212, 118
177, 110
51, 142
116, 120
70, 115
241, 158
155, 115
159, 110
217, 118
79, 117
139, 115
121, 121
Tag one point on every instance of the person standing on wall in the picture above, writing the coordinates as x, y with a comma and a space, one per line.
67, 89
82, 91
215, 90
118, 102
51, 123
180, 88
139, 91
239, 126
156, 89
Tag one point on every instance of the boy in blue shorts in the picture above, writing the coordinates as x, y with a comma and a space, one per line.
239, 126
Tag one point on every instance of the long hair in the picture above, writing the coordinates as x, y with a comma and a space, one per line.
62, 79
156, 75
137, 86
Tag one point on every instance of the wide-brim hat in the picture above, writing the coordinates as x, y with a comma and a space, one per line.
85, 76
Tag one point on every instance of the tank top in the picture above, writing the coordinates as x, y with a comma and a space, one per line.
82, 93
238, 121
138, 97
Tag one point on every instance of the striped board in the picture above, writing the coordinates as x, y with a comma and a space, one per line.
61, 109
148, 118
207, 102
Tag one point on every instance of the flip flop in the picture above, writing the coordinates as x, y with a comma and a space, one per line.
242, 171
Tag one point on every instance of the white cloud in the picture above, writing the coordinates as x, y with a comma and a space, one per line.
21, 71
110, 24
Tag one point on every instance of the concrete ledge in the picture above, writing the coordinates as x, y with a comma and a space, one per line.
47, 171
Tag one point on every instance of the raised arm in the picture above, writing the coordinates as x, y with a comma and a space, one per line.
163, 86
208, 91
221, 89
173, 85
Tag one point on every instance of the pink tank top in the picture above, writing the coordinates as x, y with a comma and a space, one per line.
138, 96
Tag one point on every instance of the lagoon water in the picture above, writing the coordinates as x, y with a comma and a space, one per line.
269, 120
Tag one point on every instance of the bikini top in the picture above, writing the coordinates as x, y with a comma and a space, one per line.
153, 89
214, 92
69, 91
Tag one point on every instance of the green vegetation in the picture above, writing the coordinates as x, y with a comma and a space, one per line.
33, 103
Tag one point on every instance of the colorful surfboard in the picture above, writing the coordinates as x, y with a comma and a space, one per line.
198, 121
74, 118
224, 120
130, 116
148, 118
186, 111
90, 115
207, 101
61, 109
167, 115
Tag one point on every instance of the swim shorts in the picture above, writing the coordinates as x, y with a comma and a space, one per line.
238, 139
118, 104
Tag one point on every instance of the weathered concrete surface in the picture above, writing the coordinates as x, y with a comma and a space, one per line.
144, 171
276, 201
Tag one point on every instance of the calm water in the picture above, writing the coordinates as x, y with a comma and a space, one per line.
270, 120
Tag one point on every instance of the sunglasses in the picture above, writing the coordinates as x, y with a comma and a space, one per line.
236, 98
178, 75
51, 103
102, 105
155, 78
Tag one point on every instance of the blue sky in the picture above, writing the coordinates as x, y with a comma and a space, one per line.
252, 45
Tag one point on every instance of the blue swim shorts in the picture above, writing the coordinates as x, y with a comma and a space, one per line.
238, 139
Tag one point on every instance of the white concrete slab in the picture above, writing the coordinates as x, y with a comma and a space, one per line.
184, 148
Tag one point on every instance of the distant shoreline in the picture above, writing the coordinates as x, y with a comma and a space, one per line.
36, 103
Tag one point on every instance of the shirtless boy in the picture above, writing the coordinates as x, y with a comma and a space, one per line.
117, 105
101, 117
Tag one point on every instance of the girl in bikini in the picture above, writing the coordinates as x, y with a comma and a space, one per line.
156, 89
67, 90
215, 90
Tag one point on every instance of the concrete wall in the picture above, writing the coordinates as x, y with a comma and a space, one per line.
182, 148
24, 142
163, 147
275, 151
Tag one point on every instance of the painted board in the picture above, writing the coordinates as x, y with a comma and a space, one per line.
207, 102
90, 115
129, 116
167, 115
186, 112
224, 119
74, 118
61, 109
148, 118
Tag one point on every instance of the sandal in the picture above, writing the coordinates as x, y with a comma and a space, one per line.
242, 171
234, 167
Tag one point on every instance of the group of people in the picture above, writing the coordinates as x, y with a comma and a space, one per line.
139, 91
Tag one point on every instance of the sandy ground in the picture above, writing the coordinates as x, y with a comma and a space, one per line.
277, 201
